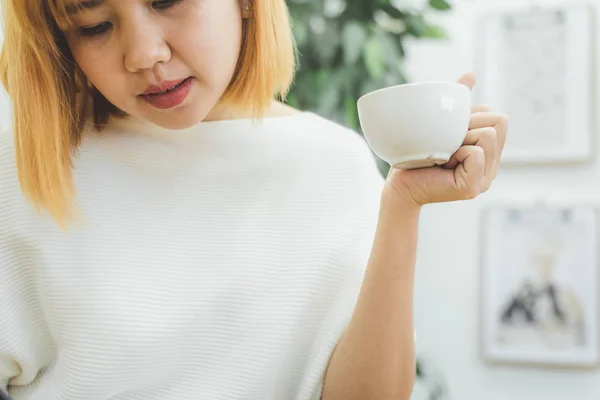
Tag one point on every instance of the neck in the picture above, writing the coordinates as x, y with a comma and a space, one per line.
223, 112
228, 112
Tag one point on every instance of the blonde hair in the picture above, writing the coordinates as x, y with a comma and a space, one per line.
50, 93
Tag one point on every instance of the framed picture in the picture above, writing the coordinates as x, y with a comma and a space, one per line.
539, 286
536, 66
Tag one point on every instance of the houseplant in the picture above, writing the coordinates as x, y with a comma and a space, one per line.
350, 47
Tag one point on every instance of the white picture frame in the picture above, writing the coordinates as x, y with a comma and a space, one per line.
536, 65
539, 286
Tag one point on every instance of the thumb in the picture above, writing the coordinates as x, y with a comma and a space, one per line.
468, 80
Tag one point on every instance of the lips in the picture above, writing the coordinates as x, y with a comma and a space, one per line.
168, 94
163, 87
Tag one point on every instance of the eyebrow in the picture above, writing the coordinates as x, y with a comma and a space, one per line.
75, 8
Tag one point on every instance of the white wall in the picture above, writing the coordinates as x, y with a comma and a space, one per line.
447, 288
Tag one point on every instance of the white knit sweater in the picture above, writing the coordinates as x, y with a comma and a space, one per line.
218, 262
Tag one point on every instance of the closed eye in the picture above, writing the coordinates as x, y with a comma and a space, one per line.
96, 30
104, 27
164, 4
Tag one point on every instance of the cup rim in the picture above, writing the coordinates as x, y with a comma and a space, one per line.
411, 84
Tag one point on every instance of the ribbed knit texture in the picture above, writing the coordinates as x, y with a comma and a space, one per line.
218, 262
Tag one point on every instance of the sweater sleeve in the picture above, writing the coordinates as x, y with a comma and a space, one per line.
24, 339
362, 196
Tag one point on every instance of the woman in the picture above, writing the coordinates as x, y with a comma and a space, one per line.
196, 239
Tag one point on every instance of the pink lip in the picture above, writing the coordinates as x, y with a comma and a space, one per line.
177, 92
164, 85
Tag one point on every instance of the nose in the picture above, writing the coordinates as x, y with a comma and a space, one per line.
145, 47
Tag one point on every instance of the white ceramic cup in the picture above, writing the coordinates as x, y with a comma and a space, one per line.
416, 125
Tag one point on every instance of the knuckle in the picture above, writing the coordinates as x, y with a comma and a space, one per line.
503, 118
471, 193
490, 133
486, 187
479, 153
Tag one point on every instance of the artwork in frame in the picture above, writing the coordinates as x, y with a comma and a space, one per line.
539, 287
536, 66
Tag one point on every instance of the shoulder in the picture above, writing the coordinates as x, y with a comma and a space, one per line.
335, 159
334, 143
313, 126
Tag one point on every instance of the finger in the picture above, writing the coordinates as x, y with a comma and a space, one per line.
468, 176
468, 80
499, 122
486, 139
480, 108
484, 119
502, 130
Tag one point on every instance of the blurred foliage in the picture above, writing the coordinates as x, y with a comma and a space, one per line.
351, 47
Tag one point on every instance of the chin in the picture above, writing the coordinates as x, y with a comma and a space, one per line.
178, 119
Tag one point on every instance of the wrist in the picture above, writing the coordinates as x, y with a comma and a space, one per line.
397, 201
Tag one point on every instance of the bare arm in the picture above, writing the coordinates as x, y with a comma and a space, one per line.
376, 359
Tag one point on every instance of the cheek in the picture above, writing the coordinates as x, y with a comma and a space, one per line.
211, 47
98, 66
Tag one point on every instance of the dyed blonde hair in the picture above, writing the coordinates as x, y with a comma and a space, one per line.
50, 93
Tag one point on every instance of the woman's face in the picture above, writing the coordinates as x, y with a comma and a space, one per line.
133, 51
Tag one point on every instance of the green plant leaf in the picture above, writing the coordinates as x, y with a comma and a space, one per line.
416, 25
369, 86
330, 99
389, 45
374, 57
292, 100
393, 11
441, 5
351, 112
435, 32
327, 44
400, 72
300, 33
354, 36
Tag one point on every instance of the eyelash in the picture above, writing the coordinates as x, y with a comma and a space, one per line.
103, 27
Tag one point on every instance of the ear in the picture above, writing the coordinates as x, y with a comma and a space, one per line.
246, 11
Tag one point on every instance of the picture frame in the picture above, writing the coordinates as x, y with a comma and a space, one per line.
539, 285
536, 65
